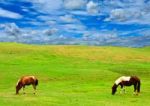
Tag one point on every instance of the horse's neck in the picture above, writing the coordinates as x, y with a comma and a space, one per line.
117, 81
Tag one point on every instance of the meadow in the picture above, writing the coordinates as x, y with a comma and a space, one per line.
72, 75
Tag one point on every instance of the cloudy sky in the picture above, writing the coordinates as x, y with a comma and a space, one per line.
85, 22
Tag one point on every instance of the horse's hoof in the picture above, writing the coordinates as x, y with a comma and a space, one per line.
137, 94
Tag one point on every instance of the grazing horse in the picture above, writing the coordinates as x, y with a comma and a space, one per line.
26, 80
127, 81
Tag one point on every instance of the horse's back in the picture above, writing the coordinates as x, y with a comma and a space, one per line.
135, 78
122, 78
27, 80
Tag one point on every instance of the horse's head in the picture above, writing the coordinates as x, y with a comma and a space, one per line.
18, 87
114, 89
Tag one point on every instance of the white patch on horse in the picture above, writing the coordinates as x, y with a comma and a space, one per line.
123, 78
32, 77
17, 82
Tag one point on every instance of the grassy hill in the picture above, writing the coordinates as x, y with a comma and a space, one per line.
72, 75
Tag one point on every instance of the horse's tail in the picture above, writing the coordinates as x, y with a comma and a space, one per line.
36, 82
138, 86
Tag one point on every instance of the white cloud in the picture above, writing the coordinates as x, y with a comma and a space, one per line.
25, 9
50, 32
61, 22
130, 15
118, 14
28, 10
90, 37
73, 27
127, 11
51, 22
10, 32
100, 35
123, 3
9, 14
79, 12
43, 18
92, 8
47, 6
74, 4
12, 29
34, 22
68, 19
113, 38
49, 19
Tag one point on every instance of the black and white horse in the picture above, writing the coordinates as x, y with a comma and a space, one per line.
127, 81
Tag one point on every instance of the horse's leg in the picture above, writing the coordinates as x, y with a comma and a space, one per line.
121, 85
34, 87
24, 89
135, 88
124, 90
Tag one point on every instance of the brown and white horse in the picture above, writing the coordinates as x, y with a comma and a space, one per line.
26, 80
127, 81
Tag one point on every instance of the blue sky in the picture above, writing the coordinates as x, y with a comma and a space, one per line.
84, 22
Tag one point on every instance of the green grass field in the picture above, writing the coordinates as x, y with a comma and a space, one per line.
73, 75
